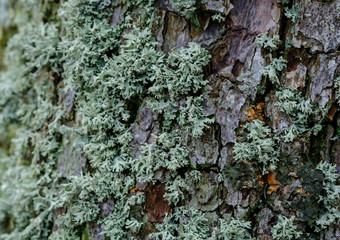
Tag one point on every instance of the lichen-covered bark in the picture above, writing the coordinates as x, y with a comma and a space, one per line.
213, 187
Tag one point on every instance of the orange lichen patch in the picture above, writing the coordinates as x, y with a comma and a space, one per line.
255, 112
247, 185
301, 191
260, 106
273, 183
251, 114
270, 180
135, 190
244, 187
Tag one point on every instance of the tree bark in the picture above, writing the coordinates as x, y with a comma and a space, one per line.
238, 92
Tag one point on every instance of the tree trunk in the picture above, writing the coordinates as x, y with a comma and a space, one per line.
169, 119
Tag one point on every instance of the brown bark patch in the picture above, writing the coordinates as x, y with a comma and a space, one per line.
156, 206
332, 111
203, 20
237, 68
293, 61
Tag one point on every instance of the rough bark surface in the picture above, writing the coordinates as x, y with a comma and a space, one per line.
238, 93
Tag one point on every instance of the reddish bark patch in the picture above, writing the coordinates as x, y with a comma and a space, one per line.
156, 206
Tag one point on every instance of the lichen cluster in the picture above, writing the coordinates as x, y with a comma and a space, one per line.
71, 88
77, 78
258, 145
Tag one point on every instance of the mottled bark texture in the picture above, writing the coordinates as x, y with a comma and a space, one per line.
235, 75
238, 93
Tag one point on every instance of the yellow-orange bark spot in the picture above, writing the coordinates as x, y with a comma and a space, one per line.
273, 183
269, 178
260, 106
255, 112
135, 190
301, 191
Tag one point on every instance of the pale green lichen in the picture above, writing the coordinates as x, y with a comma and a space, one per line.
166, 153
105, 72
232, 229
183, 223
218, 17
79, 75
259, 147
270, 43
293, 13
273, 69
331, 199
187, 8
301, 111
337, 88
285, 229
189, 223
